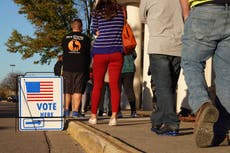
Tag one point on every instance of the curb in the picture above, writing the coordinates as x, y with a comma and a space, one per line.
94, 141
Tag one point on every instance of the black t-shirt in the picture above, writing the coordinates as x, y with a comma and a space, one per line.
76, 52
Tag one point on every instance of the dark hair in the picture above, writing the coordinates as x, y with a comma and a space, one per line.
107, 9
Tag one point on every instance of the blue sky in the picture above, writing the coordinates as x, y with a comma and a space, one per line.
9, 20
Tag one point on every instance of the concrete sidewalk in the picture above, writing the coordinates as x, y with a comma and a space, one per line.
134, 135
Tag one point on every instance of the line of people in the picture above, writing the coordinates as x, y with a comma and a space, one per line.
186, 33
106, 56
181, 33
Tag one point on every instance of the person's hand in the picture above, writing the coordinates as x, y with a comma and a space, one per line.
185, 8
97, 33
185, 17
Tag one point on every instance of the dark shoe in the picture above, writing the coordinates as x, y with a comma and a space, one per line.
206, 117
76, 115
156, 128
185, 112
109, 113
119, 115
100, 113
168, 130
66, 113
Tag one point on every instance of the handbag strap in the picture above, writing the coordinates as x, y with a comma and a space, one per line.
125, 14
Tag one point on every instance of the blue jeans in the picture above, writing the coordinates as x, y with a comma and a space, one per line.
207, 34
165, 71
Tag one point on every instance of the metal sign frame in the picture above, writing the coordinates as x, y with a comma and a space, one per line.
40, 103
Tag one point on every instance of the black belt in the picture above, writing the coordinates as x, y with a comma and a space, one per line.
221, 3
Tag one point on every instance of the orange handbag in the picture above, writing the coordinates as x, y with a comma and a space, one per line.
128, 38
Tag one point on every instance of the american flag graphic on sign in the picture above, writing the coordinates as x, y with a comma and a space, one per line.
41, 91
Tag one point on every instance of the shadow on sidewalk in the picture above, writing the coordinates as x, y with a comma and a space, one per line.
185, 131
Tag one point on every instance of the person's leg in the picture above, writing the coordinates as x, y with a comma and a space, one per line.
108, 99
67, 77
129, 92
100, 63
166, 97
78, 85
83, 102
67, 103
157, 116
222, 126
171, 120
197, 48
88, 99
102, 100
76, 101
200, 40
221, 66
114, 69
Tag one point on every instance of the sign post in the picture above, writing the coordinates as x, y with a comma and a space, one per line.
40, 103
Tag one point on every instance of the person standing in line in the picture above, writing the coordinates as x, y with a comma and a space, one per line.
76, 62
105, 102
107, 24
165, 24
127, 77
86, 97
207, 34
58, 66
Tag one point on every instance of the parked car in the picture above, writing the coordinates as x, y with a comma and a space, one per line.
12, 98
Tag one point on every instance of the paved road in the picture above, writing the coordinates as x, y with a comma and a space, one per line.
14, 141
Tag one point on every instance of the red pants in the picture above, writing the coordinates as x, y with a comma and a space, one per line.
114, 64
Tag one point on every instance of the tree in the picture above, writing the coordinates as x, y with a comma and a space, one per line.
51, 21
85, 7
9, 84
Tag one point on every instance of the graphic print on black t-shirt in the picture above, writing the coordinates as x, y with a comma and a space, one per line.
74, 45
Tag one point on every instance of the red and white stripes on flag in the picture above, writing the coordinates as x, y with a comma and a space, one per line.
40, 91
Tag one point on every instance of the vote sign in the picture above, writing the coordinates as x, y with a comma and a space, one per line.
40, 103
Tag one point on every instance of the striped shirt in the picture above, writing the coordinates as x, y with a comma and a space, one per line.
109, 39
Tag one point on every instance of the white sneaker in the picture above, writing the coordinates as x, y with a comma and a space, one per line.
92, 121
112, 122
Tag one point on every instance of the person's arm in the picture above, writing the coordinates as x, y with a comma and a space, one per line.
185, 8
94, 24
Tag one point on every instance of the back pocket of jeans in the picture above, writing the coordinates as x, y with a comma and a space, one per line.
202, 28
